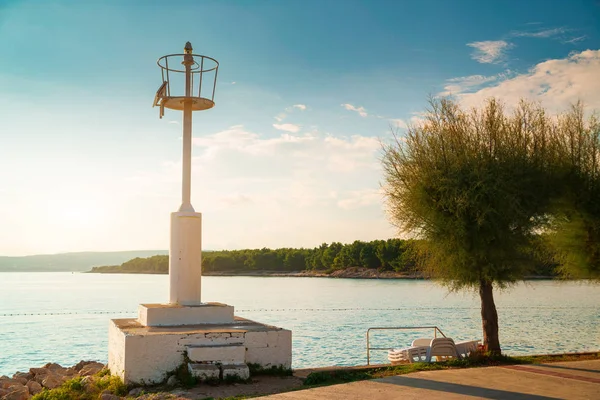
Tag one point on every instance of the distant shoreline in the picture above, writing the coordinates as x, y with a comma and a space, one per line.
346, 273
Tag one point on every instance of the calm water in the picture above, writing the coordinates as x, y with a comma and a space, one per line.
328, 317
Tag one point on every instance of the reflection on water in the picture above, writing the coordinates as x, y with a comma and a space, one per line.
328, 317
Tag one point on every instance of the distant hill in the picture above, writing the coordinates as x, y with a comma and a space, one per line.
82, 261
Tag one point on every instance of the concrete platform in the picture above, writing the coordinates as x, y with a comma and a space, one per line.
563, 380
145, 354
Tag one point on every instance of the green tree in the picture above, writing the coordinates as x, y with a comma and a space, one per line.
368, 256
475, 187
574, 234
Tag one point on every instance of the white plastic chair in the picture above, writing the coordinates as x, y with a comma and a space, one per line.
466, 347
408, 355
421, 342
417, 352
442, 349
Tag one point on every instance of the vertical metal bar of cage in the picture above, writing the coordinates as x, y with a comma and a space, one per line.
201, 73
168, 81
215, 84
162, 73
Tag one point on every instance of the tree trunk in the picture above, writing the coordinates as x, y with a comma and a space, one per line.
489, 317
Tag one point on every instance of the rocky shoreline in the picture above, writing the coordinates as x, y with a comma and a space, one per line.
350, 273
91, 380
24, 385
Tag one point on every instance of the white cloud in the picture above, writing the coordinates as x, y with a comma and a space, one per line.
287, 127
542, 33
360, 110
576, 39
555, 83
471, 83
490, 52
360, 198
283, 115
233, 83
399, 123
292, 189
317, 151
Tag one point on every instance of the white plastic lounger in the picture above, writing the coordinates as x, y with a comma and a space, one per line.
416, 353
466, 347
408, 355
442, 349
421, 342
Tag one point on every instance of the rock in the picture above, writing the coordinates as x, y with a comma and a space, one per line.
17, 393
34, 387
135, 392
54, 367
109, 396
23, 375
22, 381
38, 373
172, 381
80, 365
52, 381
91, 368
6, 382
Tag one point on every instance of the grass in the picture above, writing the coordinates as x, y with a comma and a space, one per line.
74, 389
325, 378
280, 370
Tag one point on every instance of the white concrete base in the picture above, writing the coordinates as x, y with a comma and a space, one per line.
240, 371
145, 354
219, 353
204, 372
175, 314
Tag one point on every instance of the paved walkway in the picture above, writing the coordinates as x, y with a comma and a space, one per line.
564, 380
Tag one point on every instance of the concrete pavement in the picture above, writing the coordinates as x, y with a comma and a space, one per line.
563, 380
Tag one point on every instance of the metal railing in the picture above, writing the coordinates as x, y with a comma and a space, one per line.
369, 348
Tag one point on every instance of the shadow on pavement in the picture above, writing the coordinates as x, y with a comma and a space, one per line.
459, 389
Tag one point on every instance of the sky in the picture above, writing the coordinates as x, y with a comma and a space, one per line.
306, 93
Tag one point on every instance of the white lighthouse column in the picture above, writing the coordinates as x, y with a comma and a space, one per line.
185, 252
185, 258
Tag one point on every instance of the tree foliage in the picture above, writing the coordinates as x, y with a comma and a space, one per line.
386, 255
480, 187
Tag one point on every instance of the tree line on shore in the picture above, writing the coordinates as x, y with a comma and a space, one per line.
384, 255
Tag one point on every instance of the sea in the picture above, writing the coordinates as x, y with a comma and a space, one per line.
63, 317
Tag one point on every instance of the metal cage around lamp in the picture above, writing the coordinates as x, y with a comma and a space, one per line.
175, 90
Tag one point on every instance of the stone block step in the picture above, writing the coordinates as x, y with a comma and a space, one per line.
204, 372
240, 371
217, 354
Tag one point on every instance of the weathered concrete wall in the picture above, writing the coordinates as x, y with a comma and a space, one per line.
144, 354
116, 350
270, 348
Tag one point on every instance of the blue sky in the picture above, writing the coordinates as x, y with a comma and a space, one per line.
306, 89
